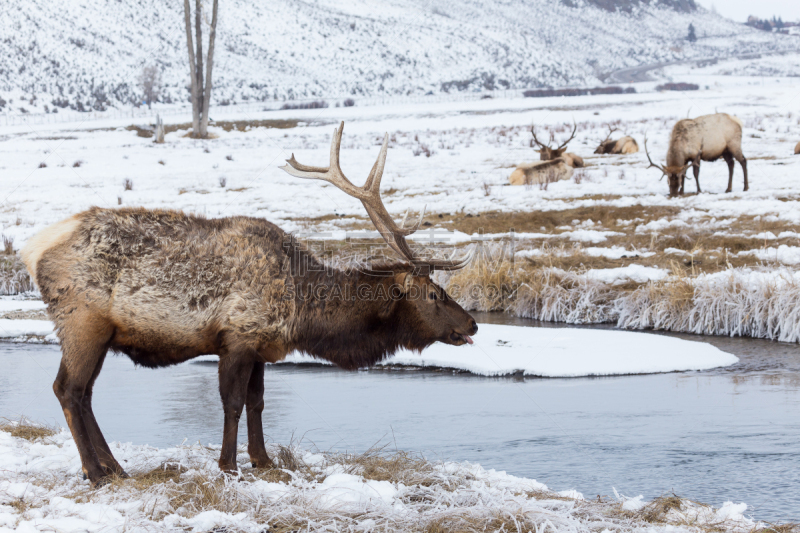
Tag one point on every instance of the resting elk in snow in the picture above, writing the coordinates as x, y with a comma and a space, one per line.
541, 172
163, 287
624, 145
549, 154
705, 138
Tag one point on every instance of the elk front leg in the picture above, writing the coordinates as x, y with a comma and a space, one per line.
107, 462
696, 171
729, 161
255, 430
235, 369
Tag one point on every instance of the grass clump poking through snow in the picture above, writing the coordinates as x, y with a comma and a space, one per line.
736, 302
182, 488
24, 429
14, 278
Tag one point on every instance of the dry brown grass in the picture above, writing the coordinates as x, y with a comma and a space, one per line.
547, 221
657, 510
25, 429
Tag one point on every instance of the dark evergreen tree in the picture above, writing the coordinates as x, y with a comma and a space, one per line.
692, 36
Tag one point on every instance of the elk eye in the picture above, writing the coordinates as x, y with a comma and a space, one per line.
432, 296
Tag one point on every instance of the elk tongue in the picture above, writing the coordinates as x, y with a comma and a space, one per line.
468, 339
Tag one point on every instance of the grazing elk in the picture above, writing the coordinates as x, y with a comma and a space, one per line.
705, 138
624, 145
549, 154
163, 287
541, 172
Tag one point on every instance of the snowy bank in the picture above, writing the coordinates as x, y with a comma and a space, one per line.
182, 489
567, 352
504, 350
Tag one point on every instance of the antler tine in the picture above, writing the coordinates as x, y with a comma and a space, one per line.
533, 132
373, 183
332, 173
646, 151
565, 143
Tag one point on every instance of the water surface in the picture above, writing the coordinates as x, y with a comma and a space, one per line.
728, 434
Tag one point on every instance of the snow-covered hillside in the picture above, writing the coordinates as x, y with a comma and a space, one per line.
88, 55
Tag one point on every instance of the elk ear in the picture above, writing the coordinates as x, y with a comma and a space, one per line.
405, 280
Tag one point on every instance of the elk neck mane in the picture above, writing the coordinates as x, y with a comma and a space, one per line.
350, 317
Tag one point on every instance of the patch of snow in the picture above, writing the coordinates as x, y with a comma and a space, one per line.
635, 273
10, 304
633, 504
788, 255
17, 328
615, 252
588, 235
567, 352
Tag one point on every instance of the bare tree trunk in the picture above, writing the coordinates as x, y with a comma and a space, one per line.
198, 28
209, 64
159, 130
192, 69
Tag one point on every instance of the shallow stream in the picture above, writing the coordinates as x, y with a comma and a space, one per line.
729, 434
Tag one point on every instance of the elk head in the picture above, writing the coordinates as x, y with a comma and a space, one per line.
422, 304
675, 175
545, 152
607, 145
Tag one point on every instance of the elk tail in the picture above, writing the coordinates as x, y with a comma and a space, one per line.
46, 239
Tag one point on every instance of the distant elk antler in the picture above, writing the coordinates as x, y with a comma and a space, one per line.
550, 154
611, 131
370, 196
546, 153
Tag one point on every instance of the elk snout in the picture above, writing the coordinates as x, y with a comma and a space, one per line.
459, 339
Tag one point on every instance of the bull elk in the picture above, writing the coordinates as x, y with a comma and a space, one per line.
623, 145
163, 287
705, 138
549, 154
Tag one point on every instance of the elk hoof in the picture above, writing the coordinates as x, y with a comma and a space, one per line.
115, 471
265, 464
101, 482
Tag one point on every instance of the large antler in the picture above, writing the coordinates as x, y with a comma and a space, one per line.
659, 167
370, 196
565, 143
541, 145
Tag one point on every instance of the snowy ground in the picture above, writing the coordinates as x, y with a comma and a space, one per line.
182, 489
611, 229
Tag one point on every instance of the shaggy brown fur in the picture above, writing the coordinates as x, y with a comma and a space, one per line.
541, 172
164, 287
624, 145
705, 138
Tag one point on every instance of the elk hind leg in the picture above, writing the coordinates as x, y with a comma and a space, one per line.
84, 342
743, 161
696, 172
255, 431
235, 368
729, 160
107, 461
